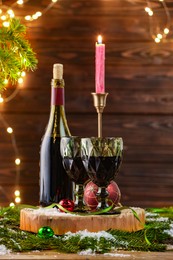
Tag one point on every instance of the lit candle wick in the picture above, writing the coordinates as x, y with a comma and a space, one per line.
99, 39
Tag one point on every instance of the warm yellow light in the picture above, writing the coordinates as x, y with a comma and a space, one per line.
0, 11
17, 199
150, 13
23, 74
5, 81
147, 9
28, 18
166, 30
34, 16
20, 2
99, 39
6, 24
157, 40
9, 130
17, 161
11, 13
17, 193
12, 204
1, 99
54, 1
159, 35
3, 17
38, 14
20, 80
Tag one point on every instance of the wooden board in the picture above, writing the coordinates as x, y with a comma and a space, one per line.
33, 219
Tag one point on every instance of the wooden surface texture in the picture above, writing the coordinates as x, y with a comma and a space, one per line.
118, 255
139, 79
32, 220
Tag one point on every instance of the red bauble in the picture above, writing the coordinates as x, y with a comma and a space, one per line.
114, 193
90, 197
67, 204
91, 190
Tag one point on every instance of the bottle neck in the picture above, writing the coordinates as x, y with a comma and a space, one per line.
57, 97
57, 92
57, 125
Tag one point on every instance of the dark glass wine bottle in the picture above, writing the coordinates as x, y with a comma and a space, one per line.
54, 181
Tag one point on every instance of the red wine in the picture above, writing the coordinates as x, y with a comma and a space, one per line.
102, 170
75, 169
54, 182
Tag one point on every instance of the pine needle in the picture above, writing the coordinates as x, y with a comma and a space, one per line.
152, 238
16, 54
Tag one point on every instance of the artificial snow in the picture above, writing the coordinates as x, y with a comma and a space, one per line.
161, 219
90, 252
86, 233
150, 214
4, 250
169, 231
48, 212
12, 230
169, 247
87, 252
116, 255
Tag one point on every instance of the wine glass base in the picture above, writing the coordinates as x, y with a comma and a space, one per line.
112, 212
102, 194
79, 209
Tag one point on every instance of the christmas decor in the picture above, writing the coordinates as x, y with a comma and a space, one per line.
156, 235
45, 232
114, 193
157, 31
90, 194
67, 204
15, 52
127, 219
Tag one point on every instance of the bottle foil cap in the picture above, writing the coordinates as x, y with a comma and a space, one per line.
57, 71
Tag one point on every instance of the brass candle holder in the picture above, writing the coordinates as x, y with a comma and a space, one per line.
99, 103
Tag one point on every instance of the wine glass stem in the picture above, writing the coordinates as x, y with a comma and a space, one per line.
79, 197
103, 195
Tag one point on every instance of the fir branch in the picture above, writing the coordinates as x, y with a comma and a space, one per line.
16, 53
164, 212
20, 241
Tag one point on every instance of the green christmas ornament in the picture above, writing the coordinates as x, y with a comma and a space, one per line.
45, 232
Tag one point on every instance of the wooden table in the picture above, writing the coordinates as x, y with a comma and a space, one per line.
118, 255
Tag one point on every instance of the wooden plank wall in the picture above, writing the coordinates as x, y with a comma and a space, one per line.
139, 79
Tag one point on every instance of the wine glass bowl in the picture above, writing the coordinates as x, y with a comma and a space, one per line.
102, 158
70, 148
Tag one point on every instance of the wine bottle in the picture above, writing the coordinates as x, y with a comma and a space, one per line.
54, 181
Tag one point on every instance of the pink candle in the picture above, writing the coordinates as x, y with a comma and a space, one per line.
100, 66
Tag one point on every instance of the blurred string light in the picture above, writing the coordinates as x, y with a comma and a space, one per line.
6, 14
16, 90
157, 33
17, 196
37, 14
17, 159
30, 17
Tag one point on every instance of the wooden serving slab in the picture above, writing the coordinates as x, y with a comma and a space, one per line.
33, 219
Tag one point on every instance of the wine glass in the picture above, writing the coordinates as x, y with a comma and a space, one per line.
102, 158
70, 148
